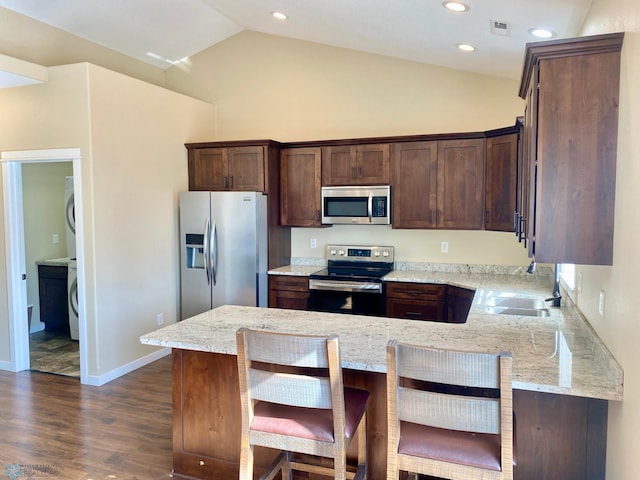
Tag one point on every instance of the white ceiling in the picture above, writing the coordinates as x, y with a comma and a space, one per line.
418, 30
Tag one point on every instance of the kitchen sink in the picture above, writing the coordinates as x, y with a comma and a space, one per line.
517, 305
525, 312
517, 302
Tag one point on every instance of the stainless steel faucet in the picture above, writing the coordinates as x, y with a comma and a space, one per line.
555, 295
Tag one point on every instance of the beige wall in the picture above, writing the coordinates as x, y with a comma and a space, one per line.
619, 328
43, 186
273, 87
139, 167
131, 135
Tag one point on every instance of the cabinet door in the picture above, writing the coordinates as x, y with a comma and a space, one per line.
414, 174
53, 296
461, 184
500, 190
288, 292
372, 164
529, 167
459, 303
338, 165
300, 187
576, 176
208, 169
246, 169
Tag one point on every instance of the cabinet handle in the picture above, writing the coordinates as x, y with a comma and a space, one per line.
516, 224
433, 216
226, 182
354, 172
231, 181
414, 292
413, 314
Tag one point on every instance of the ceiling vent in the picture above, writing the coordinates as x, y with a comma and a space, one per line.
500, 28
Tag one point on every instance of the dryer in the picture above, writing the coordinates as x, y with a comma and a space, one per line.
72, 284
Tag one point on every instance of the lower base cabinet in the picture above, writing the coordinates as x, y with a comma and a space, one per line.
557, 436
287, 291
416, 301
53, 293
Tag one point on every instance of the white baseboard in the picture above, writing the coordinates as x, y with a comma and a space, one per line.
129, 367
6, 366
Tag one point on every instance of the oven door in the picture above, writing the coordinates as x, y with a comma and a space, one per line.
336, 296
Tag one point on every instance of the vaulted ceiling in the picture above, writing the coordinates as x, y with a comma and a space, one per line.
160, 32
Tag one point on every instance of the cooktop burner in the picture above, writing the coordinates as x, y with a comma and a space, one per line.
359, 263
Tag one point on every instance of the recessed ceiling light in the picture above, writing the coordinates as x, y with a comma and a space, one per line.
541, 32
279, 15
466, 47
455, 6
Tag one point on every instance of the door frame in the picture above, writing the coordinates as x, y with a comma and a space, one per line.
15, 253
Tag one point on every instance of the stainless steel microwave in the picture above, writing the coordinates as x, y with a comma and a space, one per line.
356, 205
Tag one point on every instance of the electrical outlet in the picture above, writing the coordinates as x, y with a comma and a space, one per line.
160, 319
56, 238
313, 243
601, 303
444, 247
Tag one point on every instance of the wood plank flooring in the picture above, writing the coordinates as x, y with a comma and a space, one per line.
54, 353
51, 426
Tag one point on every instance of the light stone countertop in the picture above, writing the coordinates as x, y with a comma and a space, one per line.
54, 262
556, 354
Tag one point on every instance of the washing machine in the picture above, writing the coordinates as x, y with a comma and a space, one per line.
72, 284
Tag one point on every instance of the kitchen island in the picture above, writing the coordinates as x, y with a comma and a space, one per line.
563, 378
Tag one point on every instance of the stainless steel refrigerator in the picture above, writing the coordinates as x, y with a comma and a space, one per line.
223, 250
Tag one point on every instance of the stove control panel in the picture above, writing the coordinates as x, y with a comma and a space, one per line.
357, 253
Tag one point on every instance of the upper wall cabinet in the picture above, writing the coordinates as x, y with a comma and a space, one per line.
438, 184
571, 87
500, 190
300, 187
355, 165
242, 167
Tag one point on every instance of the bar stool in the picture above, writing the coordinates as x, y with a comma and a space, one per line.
293, 399
449, 413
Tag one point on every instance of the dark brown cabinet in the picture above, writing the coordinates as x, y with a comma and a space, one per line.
416, 301
235, 168
355, 165
438, 184
286, 291
500, 183
300, 187
571, 90
459, 301
53, 293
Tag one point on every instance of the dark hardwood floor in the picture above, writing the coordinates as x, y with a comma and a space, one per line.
53, 427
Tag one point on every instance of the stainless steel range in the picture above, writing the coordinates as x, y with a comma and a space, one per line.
352, 281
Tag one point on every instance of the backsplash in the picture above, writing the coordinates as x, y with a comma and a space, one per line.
443, 267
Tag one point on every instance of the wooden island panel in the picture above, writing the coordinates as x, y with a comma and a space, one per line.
558, 436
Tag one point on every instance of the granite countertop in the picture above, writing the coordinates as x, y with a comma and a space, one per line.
54, 262
555, 354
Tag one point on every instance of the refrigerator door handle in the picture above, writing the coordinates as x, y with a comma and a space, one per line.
214, 252
205, 246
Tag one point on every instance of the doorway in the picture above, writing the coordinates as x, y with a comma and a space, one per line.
12, 163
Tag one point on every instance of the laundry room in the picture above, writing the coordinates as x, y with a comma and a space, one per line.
50, 257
